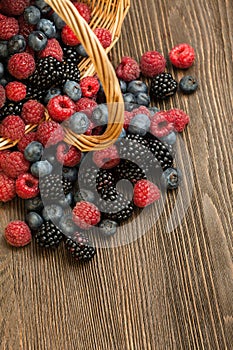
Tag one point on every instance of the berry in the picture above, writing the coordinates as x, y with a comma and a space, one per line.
58, 21
34, 204
68, 155
178, 118
69, 173
16, 44
53, 49
33, 151
21, 65
17, 233
34, 220
16, 7
104, 36
81, 51
52, 212
41, 168
86, 215
145, 193
118, 210
84, 11
143, 99
170, 139
2, 96
15, 164
129, 98
47, 27
162, 153
1, 70
100, 115
43, 6
49, 133
60, 108
70, 72
25, 140
48, 235
130, 171
171, 178
89, 86
73, 90
141, 110
51, 93
4, 49
16, 91
79, 123
160, 126
32, 15
123, 85
80, 248
37, 40
12, 127
139, 124
54, 187
188, 84
106, 184
9, 27
128, 69
32, 112
137, 86
11, 108
27, 186
107, 158
108, 228
84, 195
3, 155
25, 28
152, 63
69, 37
85, 104
66, 225
163, 86
182, 56
128, 116
7, 188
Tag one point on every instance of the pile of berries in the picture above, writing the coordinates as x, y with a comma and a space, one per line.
68, 195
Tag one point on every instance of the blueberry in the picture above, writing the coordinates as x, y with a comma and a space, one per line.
188, 84
33, 151
108, 228
41, 168
34, 204
70, 173
84, 195
129, 97
123, 86
153, 110
140, 124
58, 21
52, 212
136, 86
73, 90
16, 44
3, 81
32, 15
66, 225
47, 27
1, 70
170, 139
34, 220
100, 115
51, 93
37, 40
81, 51
129, 107
79, 123
44, 8
143, 99
3, 49
66, 201
171, 178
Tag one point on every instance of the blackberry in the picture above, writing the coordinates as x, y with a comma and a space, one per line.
70, 54
80, 247
53, 187
48, 235
129, 171
163, 86
162, 153
10, 108
119, 210
34, 93
70, 72
105, 184
87, 177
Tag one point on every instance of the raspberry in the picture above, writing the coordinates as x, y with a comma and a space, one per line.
141, 110
90, 128
3, 155
16, 91
7, 188
1, 15
2, 96
182, 56
68, 155
128, 116
86, 215
25, 140
12, 127
21, 65
178, 118
32, 112
128, 69
49, 133
15, 164
24, 27
160, 126
145, 193
84, 11
9, 27
85, 104
106, 158
104, 36
53, 48
152, 63
16, 7
69, 37
61, 108
27, 186
89, 86
17, 233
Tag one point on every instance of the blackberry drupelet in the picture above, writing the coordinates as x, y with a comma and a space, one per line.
11, 108
163, 86
70, 72
70, 54
48, 235
53, 187
80, 248
129, 171
162, 153
119, 210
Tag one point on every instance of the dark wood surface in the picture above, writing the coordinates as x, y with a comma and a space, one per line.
165, 290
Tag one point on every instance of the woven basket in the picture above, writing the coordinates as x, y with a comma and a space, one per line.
107, 14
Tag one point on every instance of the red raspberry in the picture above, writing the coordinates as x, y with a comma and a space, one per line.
86, 105
17, 233
128, 69
141, 110
152, 63
182, 56
89, 86
128, 116
97, 130
160, 126
16, 91
104, 36
2, 96
32, 112
9, 27
90, 128
25, 140
69, 37
15, 164
3, 155
86, 215
21, 65
1, 15
84, 10
53, 48
7, 188
49, 133
145, 193
61, 108
106, 158
68, 155
16, 7
178, 117
27, 186
12, 127
24, 27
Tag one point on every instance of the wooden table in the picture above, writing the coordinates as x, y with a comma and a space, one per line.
165, 290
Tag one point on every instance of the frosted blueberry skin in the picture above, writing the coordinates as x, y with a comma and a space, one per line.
188, 84
16, 44
32, 14
37, 40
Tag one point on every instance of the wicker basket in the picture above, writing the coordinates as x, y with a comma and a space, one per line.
107, 14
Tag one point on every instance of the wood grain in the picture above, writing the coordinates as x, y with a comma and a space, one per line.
167, 290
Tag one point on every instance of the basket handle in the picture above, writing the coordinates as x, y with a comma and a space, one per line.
106, 73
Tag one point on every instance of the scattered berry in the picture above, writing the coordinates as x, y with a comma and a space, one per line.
100, 115
52, 212
163, 86
79, 123
48, 235
136, 86
16, 44
15, 164
16, 7
128, 69
160, 126
85, 105
53, 48
34, 204
21, 65
107, 158
171, 178
68, 155
60, 108
37, 40
86, 215
73, 90
145, 193
32, 15
178, 118
182, 56
33, 151
16, 91
80, 248
34, 220
152, 63
17, 233
139, 124
104, 36
7, 188
108, 228
47, 27
188, 84
89, 86
41, 168
27, 186
12, 127
49, 133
